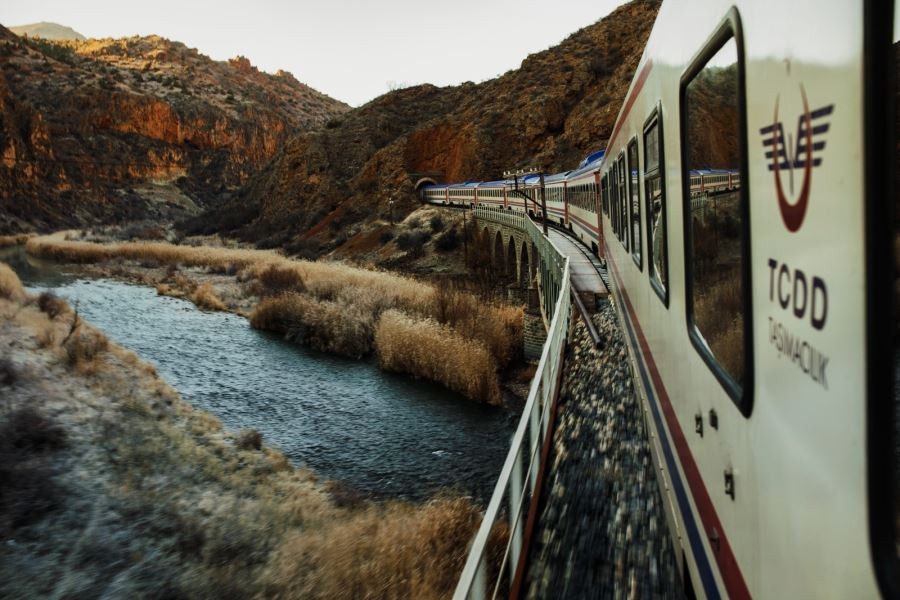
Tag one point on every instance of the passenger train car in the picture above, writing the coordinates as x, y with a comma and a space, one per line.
745, 213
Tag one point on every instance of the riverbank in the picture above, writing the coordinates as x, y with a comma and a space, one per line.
111, 484
328, 306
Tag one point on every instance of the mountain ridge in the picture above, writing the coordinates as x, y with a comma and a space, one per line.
559, 106
47, 31
120, 129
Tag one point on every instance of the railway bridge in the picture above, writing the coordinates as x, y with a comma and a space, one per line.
561, 517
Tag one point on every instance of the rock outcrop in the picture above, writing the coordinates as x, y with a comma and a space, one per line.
557, 107
107, 130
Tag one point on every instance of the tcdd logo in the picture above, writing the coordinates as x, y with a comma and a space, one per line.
805, 154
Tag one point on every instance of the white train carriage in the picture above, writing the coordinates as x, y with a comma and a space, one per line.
491, 193
582, 199
753, 274
749, 326
555, 197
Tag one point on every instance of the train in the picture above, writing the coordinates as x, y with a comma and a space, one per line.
744, 210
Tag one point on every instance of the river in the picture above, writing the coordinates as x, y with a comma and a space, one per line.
384, 435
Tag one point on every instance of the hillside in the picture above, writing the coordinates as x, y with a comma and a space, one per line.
48, 31
118, 129
557, 107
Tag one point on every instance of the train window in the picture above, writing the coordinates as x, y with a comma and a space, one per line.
623, 201
614, 198
604, 194
716, 219
655, 199
634, 206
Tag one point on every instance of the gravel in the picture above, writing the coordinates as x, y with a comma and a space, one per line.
602, 531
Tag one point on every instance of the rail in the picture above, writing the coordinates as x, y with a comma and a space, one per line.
518, 483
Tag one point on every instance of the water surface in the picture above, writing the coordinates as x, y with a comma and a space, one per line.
385, 435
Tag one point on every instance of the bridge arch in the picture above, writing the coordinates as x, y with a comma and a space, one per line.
499, 258
524, 267
512, 258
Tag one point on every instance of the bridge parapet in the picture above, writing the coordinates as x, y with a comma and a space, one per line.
519, 482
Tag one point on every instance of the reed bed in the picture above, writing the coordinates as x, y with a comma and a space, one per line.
56, 247
206, 298
14, 240
453, 337
388, 551
499, 327
327, 326
425, 348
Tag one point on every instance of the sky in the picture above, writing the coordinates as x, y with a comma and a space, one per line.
352, 50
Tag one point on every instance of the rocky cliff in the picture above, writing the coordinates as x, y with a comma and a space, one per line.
557, 107
106, 130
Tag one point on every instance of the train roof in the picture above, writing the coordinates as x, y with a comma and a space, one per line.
590, 164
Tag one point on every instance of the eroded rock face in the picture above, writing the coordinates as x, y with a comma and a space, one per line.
560, 105
86, 123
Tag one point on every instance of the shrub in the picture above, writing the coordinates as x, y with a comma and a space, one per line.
386, 236
413, 241
276, 279
249, 439
10, 285
387, 551
425, 348
27, 486
51, 304
14, 240
205, 297
9, 373
85, 345
447, 241
436, 223
323, 325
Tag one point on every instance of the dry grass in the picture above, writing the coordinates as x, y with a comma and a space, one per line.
392, 551
276, 279
56, 247
205, 297
10, 285
84, 349
328, 326
499, 327
14, 240
52, 305
425, 348
196, 511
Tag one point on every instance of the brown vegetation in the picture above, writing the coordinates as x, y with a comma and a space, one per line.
424, 348
369, 556
10, 286
328, 326
14, 240
205, 297
333, 307
152, 498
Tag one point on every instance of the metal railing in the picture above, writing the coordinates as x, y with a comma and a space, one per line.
516, 488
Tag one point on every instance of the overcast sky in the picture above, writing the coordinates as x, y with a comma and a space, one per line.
352, 50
